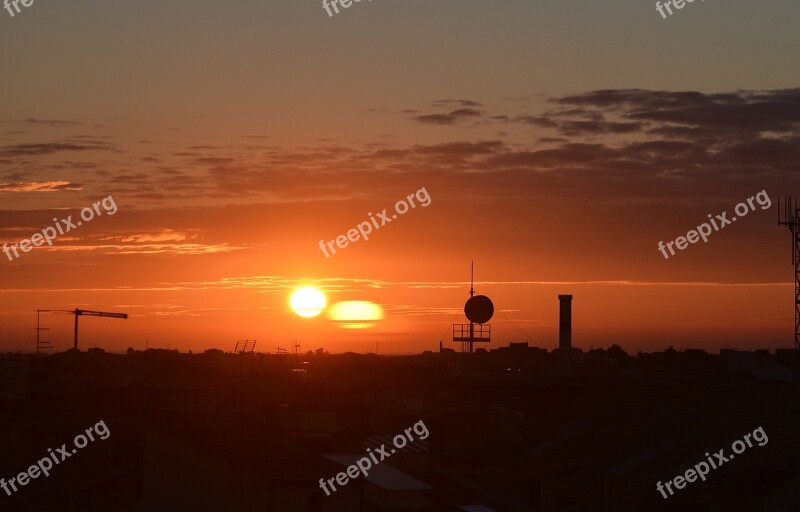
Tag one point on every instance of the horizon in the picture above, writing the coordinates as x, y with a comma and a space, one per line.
445, 350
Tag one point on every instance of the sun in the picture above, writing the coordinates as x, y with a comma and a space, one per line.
355, 314
307, 302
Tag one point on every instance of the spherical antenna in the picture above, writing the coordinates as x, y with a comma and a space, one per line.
479, 309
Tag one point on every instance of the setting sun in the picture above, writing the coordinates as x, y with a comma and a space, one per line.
307, 302
355, 314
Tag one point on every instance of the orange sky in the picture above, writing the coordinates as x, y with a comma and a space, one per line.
208, 243
557, 149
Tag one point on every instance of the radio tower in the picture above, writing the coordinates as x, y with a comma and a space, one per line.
791, 219
478, 310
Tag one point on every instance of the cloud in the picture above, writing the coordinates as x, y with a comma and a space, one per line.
744, 111
633, 143
28, 150
641, 144
582, 127
165, 235
542, 121
39, 186
452, 117
456, 103
172, 249
54, 123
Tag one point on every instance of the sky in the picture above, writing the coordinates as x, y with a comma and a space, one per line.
557, 143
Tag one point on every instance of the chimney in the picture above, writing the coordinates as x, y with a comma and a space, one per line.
565, 334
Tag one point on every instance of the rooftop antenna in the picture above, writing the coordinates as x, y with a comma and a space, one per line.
41, 344
478, 310
791, 219
471, 278
245, 346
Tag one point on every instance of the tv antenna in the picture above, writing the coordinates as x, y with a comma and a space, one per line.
478, 310
245, 346
41, 344
791, 219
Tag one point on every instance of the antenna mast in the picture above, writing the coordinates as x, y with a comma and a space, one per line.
478, 310
471, 278
39, 343
791, 219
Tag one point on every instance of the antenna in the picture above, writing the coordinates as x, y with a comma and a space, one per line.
40, 344
478, 310
471, 278
245, 346
791, 219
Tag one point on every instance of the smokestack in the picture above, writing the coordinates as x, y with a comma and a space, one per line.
565, 334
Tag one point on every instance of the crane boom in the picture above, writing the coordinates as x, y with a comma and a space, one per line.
86, 312
101, 313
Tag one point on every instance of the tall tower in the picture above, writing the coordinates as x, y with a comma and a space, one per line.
478, 310
791, 219
565, 334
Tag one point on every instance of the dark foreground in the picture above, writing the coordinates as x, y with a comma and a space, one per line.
507, 432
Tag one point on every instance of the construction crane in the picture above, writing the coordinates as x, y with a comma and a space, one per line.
79, 312
791, 219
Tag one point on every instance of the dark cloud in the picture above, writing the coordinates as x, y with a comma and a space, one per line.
747, 111
450, 118
212, 161
54, 123
715, 118
137, 179
635, 143
456, 103
461, 149
542, 121
48, 148
632, 143
594, 127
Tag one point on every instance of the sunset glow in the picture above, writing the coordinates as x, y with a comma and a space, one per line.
307, 302
355, 314
238, 185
